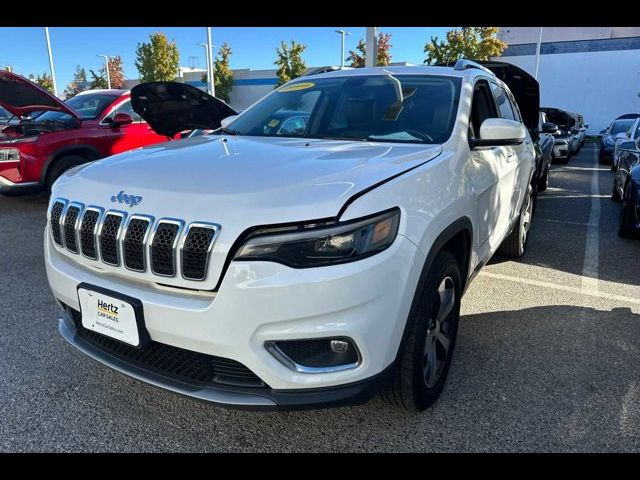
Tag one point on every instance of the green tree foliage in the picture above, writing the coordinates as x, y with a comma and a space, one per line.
157, 60
78, 84
290, 63
44, 80
98, 80
383, 55
223, 74
474, 43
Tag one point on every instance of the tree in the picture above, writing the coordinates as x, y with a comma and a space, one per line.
290, 63
78, 84
116, 71
474, 43
44, 80
223, 76
383, 57
157, 60
116, 75
98, 80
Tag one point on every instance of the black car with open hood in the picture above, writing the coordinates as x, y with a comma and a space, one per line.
173, 107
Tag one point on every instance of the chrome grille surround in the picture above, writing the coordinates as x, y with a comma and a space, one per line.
185, 251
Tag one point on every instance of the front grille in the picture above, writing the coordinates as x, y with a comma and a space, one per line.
137, 242
56, 213
109, 238
175, 363
195, 252
133, 244
87, 234
70, 228
163, 249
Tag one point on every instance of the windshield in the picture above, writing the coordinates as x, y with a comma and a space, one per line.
621, 126
88, 106
406, 108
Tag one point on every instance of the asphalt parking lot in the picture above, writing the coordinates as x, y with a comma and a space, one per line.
547, 357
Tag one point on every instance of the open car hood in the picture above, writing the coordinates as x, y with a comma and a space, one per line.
525, 89
172, 107
21, 97
559, 117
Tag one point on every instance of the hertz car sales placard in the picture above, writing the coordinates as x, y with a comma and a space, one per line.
109, 316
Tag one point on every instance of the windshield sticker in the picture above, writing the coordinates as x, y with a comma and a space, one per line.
273, 123
297, 86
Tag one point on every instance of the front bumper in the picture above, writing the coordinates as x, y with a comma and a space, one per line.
7, 187
367, 301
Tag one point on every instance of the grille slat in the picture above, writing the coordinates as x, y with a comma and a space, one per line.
56, 213
133, 244
163, 249
195, 252
109, 238
136, 242
70, 228
87, 236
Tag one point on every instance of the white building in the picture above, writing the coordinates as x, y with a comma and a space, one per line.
594, 71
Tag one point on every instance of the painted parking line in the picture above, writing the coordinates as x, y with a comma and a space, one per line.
592, 249
563, 288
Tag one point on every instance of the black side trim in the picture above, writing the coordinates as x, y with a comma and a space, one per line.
460, 225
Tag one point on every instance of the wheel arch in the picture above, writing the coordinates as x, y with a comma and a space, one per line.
88, 151
457, 239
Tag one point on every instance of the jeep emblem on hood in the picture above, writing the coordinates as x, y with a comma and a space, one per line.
131, 200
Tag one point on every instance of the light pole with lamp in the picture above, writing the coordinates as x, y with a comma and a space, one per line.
106, 66
342, 34
206, 54
53, 72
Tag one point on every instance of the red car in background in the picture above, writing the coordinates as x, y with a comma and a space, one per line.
52, 136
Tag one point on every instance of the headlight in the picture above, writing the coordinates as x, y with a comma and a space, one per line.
9, 155
313, 246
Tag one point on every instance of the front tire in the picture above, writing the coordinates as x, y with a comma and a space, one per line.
516, 242
543, 182
60, 166
423, 362
625, 225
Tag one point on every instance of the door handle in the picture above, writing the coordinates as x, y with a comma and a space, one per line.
511, 157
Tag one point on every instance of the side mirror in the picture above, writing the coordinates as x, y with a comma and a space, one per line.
549, 127
495, 132
586, 125
225, 122
628, 145
121, 119
621, 135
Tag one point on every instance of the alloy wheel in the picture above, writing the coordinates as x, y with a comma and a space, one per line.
438, 338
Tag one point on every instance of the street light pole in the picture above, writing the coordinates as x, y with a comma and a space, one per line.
106, 66
372, 47
53, 72
212, 85
538, 53
206, 55
342, 34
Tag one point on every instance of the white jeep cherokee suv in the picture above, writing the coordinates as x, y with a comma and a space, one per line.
311, 252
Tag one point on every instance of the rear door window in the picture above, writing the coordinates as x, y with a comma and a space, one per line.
504, 104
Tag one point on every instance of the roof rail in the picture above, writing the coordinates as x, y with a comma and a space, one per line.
464, 64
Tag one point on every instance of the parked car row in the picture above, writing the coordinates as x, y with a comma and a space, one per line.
570, 132
618, 131
626, 178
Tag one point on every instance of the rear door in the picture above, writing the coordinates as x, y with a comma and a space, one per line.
133, 135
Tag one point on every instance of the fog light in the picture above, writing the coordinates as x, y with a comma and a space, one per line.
319, 355
339, 346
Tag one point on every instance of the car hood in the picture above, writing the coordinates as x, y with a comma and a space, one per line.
172, 107
21, 97
524, 87
239, 182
